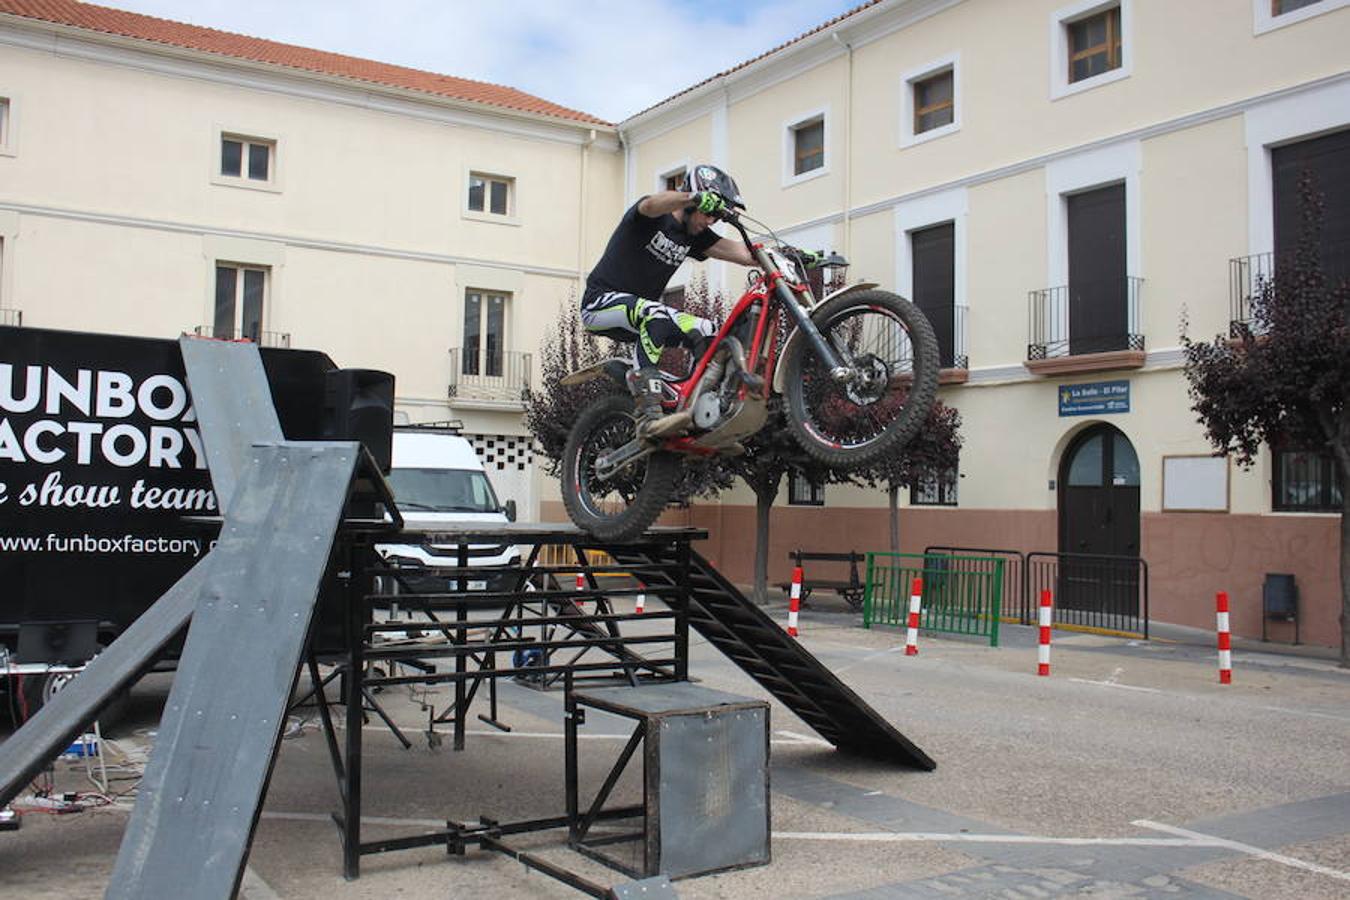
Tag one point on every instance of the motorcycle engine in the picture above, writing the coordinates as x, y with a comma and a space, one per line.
707, 410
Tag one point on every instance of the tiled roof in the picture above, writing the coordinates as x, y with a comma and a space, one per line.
237, 46
749, 62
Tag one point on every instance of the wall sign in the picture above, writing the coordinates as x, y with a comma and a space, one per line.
1094, 398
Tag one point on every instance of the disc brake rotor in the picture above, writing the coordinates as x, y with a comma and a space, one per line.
871, 376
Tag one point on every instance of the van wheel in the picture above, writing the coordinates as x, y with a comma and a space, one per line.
38, 690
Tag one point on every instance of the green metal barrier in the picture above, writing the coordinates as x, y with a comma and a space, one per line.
961, 594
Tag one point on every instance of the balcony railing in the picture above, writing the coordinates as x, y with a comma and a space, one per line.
11, 317
261, 338
490, 376
1246, 275
960, 358
1048, 313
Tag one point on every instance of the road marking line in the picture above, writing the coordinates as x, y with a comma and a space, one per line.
868, 658
1306, 712
894, 837
1123, 687
803, 738
792, 738
1246, 848
365, 820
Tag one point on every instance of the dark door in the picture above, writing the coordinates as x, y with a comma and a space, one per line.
1327, 160
1099, 517
934, 253
1097, 287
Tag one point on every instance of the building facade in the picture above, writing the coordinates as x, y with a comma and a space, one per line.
159, 178
1060, 186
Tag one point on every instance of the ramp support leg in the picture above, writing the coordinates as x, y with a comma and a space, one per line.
682, 559
351, 794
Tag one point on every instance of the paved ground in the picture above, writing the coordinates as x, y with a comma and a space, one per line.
1130, 772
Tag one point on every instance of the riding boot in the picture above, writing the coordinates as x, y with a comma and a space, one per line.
652, 423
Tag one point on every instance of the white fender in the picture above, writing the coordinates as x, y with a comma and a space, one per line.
796, 333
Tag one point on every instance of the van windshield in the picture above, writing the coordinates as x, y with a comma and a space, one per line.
443, 490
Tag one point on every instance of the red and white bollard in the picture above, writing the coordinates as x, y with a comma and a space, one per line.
794, 601
915, 606
640, 605
1225, 641
581, 586
1043, 650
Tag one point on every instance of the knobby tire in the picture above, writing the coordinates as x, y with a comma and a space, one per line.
922, 384
652, 478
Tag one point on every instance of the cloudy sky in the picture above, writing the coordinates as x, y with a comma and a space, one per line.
610, 58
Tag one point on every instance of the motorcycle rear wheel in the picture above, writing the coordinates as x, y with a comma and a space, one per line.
624, 506
895, 353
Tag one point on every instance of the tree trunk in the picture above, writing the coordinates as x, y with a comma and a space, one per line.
1340, 448
1345, 569
893, 504
764, 497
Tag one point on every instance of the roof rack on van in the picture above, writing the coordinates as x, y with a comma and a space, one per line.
454, 426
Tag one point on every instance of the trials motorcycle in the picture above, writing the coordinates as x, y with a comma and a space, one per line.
855, 372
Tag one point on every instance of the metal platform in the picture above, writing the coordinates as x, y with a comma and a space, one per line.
289, 507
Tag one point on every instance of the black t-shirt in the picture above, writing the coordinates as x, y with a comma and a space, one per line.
643, 253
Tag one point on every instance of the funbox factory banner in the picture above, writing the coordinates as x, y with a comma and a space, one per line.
100, 461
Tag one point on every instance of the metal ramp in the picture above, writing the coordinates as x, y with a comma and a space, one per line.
202, 792
753, 641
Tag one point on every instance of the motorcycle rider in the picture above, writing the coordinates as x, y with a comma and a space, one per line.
622, 297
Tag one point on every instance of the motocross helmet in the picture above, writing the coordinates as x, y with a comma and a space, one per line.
704, 177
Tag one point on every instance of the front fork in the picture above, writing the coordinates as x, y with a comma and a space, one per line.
841, 369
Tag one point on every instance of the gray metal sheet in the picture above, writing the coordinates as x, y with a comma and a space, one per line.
66, 715
199, 801
234, 407
658, 887
661, 699
712, 790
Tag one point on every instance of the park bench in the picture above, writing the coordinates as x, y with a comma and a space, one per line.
851, 589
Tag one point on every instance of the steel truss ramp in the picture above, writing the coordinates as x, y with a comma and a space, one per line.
753, 641
199, 801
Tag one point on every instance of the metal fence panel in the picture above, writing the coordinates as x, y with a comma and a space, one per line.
1017, 607
1092, 591
961, 594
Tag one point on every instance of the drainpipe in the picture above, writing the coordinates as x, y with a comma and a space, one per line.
848, 142
581, 229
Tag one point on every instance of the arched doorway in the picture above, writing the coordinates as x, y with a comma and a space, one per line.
1099, 515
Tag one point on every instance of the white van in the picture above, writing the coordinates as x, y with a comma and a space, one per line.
438, 481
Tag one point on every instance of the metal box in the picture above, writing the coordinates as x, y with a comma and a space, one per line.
705, 757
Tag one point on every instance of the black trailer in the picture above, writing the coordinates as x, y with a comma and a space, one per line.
102, 470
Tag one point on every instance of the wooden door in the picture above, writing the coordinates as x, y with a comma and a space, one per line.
934, 253
1099, 517
1098, 310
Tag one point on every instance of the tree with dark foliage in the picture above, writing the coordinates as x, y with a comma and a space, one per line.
769, 455
1287, 378
931, 453
551, 411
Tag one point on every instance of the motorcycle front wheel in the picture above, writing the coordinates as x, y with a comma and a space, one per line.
890, 347
623, 506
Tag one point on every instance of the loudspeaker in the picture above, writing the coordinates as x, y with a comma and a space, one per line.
72, 642
359, 405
